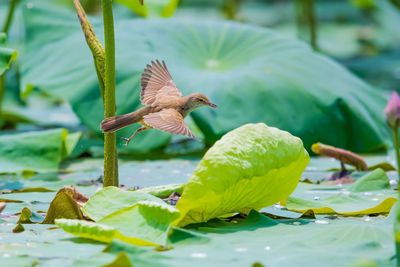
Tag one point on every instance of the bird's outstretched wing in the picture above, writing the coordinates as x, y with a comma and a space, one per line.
168, 120
157, 84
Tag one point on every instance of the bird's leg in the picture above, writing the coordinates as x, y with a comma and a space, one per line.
127, 140
342, 167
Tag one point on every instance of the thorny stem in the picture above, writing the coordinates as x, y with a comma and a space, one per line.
104, 61
395, 131
306, 15
110, 155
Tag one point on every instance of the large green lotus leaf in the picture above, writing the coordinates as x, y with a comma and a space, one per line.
42, 246
259, 239
40, 151
371, 194
145, 223
251, 167
253, 74
111, 199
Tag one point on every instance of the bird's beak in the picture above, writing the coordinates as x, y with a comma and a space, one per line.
212, 105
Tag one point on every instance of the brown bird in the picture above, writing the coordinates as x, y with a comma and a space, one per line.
164, 105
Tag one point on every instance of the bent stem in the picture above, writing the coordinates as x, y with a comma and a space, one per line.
110, 154
395, 131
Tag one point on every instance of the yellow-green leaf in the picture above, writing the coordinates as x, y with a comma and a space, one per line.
251, 167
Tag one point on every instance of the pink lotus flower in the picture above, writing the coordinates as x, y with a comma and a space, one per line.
392, 110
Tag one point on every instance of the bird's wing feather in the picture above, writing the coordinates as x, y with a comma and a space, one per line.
168, 120
156, 83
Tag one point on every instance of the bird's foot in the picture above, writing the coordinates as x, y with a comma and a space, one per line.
126, 140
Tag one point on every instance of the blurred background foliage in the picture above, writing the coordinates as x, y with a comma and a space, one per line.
254, 69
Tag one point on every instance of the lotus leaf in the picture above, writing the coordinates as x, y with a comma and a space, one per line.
40, 151
370, 194
254, 74
249, 168
145, 223
112, 199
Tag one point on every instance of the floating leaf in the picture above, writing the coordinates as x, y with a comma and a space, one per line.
111, 199
375, 180
145, 223
39, 151
313, 243
249, 168
369, 195
258, 75
66, 204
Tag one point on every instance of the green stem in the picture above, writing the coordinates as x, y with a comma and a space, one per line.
395, 131
2, 87
5, 29
110, 154
306, 17
9, 17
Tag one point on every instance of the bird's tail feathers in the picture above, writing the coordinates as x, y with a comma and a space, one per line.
112, 124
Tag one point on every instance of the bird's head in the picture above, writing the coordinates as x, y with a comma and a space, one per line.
198, 100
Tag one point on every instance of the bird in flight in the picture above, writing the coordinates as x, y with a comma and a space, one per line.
165, 106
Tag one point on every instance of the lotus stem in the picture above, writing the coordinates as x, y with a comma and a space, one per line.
110, 146
10, 15
395, 131
5, 29
306, 16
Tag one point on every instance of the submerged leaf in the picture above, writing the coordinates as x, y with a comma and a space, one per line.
249, 168
66, 204
145, 223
